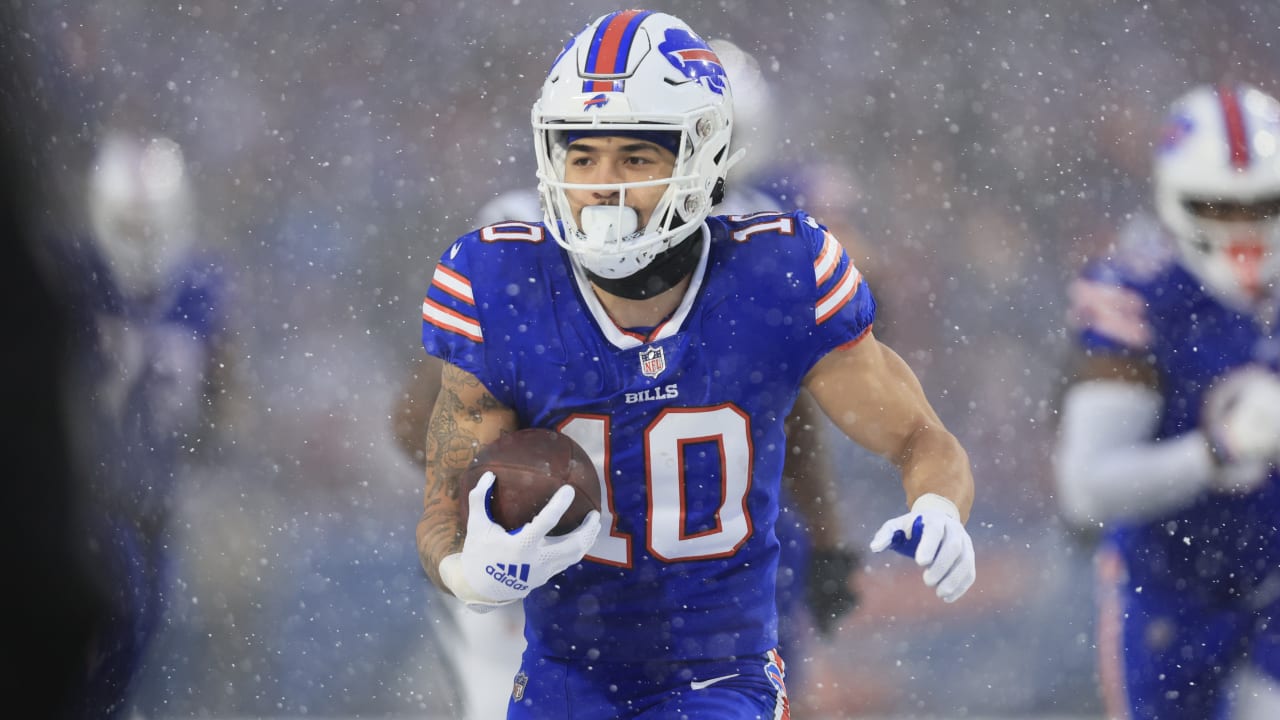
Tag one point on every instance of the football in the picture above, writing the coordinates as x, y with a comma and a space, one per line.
530, 465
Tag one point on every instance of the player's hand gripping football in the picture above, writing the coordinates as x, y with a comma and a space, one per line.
933, 534
1241, 418
497, 567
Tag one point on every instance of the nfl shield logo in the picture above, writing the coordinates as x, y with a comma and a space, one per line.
517, 692
652, 362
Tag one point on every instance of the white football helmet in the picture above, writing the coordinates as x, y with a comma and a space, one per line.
140, 211
634, 71
518, 204
1217, 188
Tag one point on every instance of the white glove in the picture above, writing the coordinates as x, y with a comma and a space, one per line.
1241, 418
497, 567
933, 534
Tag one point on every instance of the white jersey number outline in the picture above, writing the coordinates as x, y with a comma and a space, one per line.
665, 442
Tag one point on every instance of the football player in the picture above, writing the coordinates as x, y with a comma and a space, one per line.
816, 568
671, 344
1170, 434
150, 313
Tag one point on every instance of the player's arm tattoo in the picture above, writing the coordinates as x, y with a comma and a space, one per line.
454, 436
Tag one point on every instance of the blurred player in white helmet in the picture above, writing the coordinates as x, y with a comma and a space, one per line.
151, 314
484, 648
140, 211
1170, 434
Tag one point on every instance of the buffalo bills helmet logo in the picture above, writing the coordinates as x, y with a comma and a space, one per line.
599, 101
694, 59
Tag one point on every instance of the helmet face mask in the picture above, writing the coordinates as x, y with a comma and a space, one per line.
1235, 259
1217, 187
633, 74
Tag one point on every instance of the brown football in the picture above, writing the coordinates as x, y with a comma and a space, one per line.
530, 465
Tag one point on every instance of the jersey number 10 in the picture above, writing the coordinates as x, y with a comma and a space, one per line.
666, 488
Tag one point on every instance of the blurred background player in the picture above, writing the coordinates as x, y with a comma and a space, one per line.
1170, 436
149, 311
816, 569
485, 648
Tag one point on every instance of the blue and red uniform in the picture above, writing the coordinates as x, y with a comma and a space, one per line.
685, 423
142, 373
1197, 591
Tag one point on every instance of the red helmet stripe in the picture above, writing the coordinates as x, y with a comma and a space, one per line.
607, 57
1233, 118
707, 55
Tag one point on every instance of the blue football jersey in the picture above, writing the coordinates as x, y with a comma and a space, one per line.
1143, 303
684, 421
142, 366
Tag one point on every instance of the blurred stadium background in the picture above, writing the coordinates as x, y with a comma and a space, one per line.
980, 149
